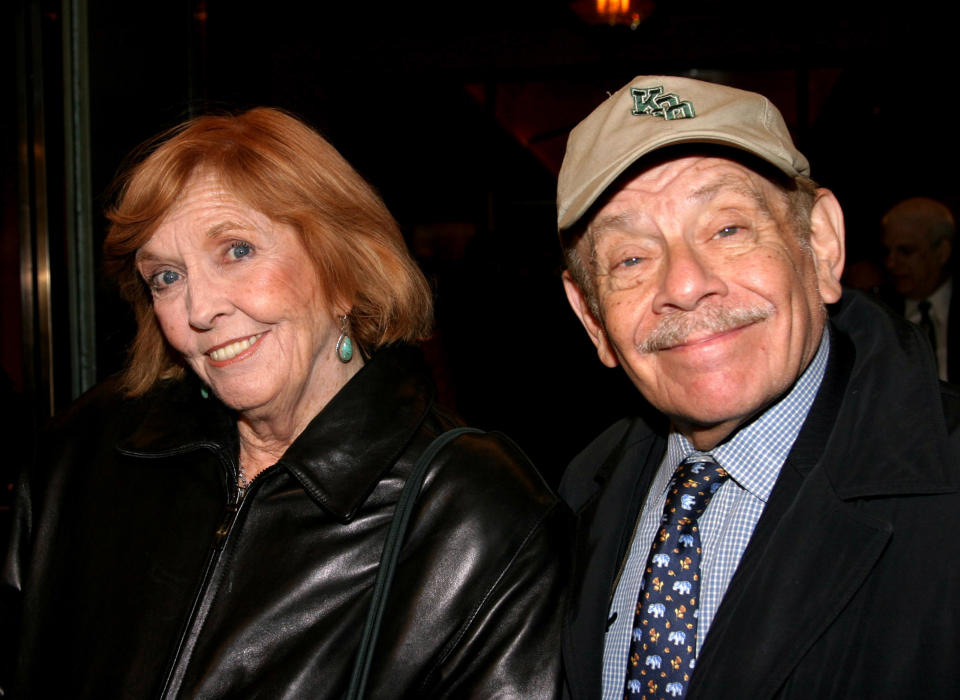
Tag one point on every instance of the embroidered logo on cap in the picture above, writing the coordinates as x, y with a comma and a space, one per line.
668, 106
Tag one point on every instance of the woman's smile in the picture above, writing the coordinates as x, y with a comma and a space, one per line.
234, 349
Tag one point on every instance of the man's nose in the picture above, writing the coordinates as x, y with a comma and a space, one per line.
686, 278
891, 260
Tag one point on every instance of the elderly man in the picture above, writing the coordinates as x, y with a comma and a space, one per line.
918, 236
783, 522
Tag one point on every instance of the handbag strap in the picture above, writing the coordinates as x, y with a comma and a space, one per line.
388, 559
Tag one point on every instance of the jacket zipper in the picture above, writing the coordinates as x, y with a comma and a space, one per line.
229, 516
174, 677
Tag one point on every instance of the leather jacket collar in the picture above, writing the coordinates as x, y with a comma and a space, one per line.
340, 456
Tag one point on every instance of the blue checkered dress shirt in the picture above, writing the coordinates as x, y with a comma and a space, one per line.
753, 458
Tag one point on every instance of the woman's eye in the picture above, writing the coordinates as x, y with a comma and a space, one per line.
239, 249
164, 279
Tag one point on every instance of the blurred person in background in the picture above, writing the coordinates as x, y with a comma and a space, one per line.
918, 236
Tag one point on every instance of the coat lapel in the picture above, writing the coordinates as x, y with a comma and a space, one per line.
611, 515
791, 585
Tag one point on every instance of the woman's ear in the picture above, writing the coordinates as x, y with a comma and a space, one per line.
594, 327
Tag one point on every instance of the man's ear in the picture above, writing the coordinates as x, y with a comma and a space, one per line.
827, 243
944, 248
594, 327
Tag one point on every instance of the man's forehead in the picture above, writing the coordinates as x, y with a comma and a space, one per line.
690, 180
902, 232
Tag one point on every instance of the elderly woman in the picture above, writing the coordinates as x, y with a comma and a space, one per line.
211, 523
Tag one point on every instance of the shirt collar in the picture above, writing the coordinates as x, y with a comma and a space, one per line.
754, 455
939, 302
940, 299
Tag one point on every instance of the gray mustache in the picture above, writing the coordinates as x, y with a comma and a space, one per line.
677, 327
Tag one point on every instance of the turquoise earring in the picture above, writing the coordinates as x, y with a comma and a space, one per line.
344, 344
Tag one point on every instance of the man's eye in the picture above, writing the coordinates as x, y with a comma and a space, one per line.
727, 231
239, 249
631, 261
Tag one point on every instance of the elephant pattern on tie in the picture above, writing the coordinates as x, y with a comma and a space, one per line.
665, 623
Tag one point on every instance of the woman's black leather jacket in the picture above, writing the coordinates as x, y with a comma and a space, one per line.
138, 570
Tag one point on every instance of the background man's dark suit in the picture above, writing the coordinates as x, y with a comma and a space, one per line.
859, 538
953, 334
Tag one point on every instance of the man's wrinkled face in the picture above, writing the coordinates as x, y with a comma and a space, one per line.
707, 297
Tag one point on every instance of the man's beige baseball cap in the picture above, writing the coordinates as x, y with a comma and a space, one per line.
654, 111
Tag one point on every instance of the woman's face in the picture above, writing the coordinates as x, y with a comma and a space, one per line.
237, 295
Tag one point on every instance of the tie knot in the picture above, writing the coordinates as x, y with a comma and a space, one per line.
692, 487
924, 307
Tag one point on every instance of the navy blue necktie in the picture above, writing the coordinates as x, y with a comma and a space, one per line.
664, 643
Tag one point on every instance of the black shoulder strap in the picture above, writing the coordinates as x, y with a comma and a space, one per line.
388, 560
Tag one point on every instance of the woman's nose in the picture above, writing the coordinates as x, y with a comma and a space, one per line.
208, 298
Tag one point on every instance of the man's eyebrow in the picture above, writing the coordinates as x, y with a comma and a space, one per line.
610, 222
736, 185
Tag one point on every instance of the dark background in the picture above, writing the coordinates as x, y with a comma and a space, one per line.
458, 113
